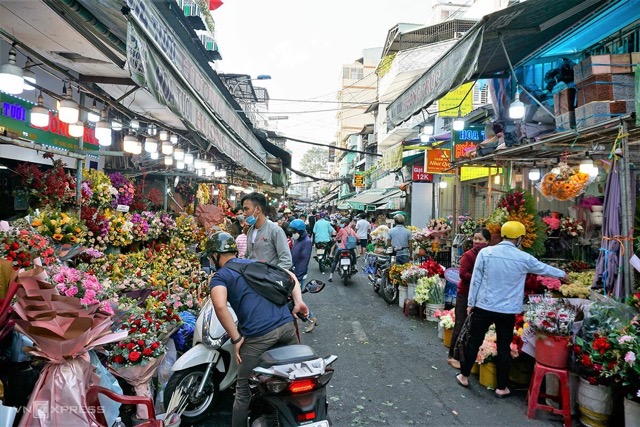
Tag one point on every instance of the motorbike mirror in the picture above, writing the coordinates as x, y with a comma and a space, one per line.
314, 286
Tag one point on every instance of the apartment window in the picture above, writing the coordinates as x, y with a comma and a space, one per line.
352, 73
480, 94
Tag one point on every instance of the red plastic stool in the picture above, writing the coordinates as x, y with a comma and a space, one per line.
534, 394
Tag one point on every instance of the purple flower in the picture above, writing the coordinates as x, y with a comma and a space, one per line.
630, 357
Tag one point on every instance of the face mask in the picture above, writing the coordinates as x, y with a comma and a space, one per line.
479, 245
295, 236
213, 263
251, 220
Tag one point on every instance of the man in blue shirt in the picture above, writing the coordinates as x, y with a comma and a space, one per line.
322, 230
400, 239
496, 293
261, 323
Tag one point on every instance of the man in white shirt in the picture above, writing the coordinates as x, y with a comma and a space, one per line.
363, 228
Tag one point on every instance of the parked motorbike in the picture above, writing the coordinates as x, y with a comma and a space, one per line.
323, 255
209, 367
377, 268
388, 289
346, 267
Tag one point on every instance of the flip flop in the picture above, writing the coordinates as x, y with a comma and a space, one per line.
504, 396
460, 382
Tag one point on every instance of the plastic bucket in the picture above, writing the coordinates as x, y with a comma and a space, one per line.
411, 290
475, 369
552, 350
488, 375
595, 403
631, 413
430, 310
446, 340
402, 295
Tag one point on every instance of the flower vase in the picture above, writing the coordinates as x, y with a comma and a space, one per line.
488, 375
595, 403
402, 295
631, 413
447, 337
552, 350
411, 290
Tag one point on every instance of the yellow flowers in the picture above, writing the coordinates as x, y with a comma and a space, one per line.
57, 237
59, 226
36, 222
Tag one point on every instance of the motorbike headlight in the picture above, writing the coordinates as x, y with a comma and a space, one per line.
218, 342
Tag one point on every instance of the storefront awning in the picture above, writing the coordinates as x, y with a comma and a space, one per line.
524, 27
369, 200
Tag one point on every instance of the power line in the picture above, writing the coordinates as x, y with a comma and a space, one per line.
330, 146
325, 102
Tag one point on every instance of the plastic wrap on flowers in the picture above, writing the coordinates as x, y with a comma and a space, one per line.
564, 183
184, 337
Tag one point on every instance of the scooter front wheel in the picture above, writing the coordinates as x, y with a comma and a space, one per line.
389, 291
198, 407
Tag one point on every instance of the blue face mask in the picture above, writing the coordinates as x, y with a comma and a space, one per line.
251, 220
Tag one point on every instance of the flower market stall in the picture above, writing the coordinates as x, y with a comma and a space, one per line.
105, 288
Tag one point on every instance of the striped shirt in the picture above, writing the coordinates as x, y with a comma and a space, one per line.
241, 243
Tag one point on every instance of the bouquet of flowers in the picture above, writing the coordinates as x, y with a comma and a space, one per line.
139, 227
549, 283
97, 227
549, 316
468, 227
489, 348
624, 344
154, 223
447, 318
119, 233
571, 227
634, 301
124, 188
496, 219
380, 235
439, 227
432, 268
591, 356
54, 188
79, 284
578, 284
413, 273
516, 341
553, 224
23, 247
203, 195
463, 218
395, 273
564, 183
430, 290
97, 186
168, 224
59, 226
187, 229
512, 201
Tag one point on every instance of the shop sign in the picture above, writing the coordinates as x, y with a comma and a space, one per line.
459, 100
438, 161
465, 139
15, 118
358, 179
467, 173
453, 69
392, 157
419, 175
168, 71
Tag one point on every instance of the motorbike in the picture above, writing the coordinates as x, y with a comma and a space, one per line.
209, 368
346, 267
388, 289
377, 267
323, 251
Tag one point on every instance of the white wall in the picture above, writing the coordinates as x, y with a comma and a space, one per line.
421, 203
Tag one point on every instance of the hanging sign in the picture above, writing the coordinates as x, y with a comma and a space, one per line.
466, 139
418, 175
438, 161
459, 100
358, 179
15, 119
392, 157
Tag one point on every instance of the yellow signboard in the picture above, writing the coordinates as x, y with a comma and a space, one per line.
468, 173
358, 179
455, 100
392, 157
438, 161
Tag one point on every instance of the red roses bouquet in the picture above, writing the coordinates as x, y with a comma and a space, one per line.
136, 350
433, 268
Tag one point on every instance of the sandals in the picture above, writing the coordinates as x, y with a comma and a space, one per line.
460, 382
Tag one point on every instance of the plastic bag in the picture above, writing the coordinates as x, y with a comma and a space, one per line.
164, 373
184, 336
605, 316
110, 408
563, 183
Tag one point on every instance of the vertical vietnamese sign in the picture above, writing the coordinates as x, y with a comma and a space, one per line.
438, 161
358, 179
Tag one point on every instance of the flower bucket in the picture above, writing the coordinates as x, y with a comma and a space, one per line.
475, 369
430, 310
402, 295
595, 403
488, 375
447, 337
552, 350
631, 413
411, 290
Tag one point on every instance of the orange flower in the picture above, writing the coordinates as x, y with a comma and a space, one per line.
73, 238
36, 222
57, 236
77, 230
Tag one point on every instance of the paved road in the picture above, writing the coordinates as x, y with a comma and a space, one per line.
392, 369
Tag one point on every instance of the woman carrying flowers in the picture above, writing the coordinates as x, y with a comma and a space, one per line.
481, 240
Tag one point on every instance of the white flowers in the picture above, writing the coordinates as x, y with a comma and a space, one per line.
630, 357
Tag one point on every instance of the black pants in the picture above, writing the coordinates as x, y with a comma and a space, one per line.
461, 316
337, 258
481, 320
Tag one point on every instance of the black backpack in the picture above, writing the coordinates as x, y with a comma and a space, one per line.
272, 282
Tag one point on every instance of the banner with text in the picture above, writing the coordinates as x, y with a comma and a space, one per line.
392, 157
459, 100
438, 161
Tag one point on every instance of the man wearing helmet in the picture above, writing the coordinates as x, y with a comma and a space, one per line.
400, 239
301, 254
496, 293
261, 323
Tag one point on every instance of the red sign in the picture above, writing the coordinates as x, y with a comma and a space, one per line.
420, 176
438, 161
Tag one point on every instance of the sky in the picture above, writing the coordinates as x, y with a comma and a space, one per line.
302, 45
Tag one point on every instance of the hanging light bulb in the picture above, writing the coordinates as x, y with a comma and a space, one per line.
173, 138
594, 172
178, 153
168, 160
137, 148
188, 159
517, 110
163, 136
40, 114
129, 144
197, 163
116, 125
443, 184
103, 128
11, 76
29, 75
105, 141
167, 148
496, 179
425, 138
93, 115
427, 130
220, 174
155, 155
534, 174
586, 165
76, 129
179, 164
152, 130
150, 145
68, 111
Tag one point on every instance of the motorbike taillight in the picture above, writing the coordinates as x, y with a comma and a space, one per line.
302, 385
326, 377
345, 255
306, 416
275, 386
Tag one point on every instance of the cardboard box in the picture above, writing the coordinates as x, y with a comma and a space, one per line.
597, 112
564, 101
566, 121
606, 87
602, 64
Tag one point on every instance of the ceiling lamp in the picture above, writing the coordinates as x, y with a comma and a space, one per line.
130, 144
40, 114
68, 111
594, 172
11, 76
152, 130
197, 163
173, 138
116, 125
151, 145
103, 128
220, 174
179, 164
443, 184
458, 124
167, 148
178, 153
496, 179
76, 129
138, 148
534, 174
164, 135
105, 141
188, 159
29, 75
134, 124
93, 115
517, 110
154, 156
168, 160
427, 130
586, 165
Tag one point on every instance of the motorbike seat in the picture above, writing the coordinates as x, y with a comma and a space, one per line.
285, 355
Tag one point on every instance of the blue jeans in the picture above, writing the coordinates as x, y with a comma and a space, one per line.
402, 259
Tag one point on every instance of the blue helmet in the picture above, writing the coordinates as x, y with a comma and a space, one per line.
298, 225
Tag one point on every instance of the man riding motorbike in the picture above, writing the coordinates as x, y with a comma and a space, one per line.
341, 238
261, 323
400, 239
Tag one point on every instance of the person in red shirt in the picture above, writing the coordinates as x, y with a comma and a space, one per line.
481, 239
346, 230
